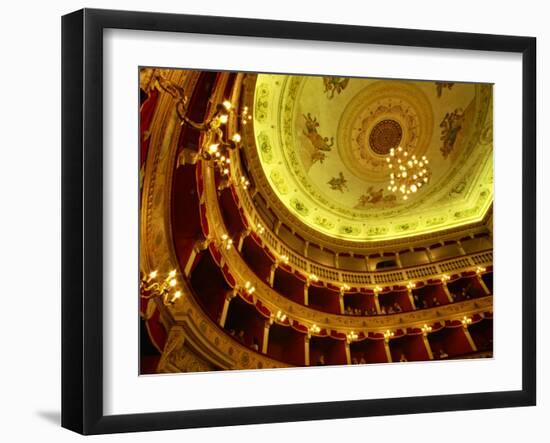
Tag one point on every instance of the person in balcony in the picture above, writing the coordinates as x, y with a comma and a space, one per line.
435, 301
255, 345
397, 307
354, 361
442, 354
390, 309
403, 358
321, 360
240, 336
362, 361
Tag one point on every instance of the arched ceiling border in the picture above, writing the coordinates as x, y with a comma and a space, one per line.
315, 236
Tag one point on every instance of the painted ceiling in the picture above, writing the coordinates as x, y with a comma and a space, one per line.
323, 144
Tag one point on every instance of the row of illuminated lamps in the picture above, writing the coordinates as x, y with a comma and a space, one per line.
227, 243
151, 288
165, 290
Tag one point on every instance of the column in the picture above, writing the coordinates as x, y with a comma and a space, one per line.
429, 254
341, 300
446, 289
200, 245
242, 237
306, 350
411, 298
190, 261
427, 345
277, 227
306, 247
223, 316
348, 353
469, 338
272, 274
398, 260
387, 349
377, 303
265, 343
306, 293
483, 285
460, 247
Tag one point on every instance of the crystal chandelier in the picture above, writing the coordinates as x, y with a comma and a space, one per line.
407, 172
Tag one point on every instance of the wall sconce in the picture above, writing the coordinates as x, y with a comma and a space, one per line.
226, 241
312, 278
411, 285
260, 229
150, 287
245, 116
352, 336
250, 289
445, 278
315, 329
426, 329
283, 259
280, 316
388, 335
466, 321
244, 182
215, 145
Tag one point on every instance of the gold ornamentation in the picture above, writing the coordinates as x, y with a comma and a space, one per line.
439, 86
373, 197
338, 183
334, 85
320, 144
450, 127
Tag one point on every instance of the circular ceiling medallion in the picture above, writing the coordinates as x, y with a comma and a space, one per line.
385, 135
383, 115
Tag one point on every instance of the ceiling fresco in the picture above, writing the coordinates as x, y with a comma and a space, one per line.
325, 143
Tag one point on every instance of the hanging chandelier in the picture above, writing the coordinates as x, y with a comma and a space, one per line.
407, 172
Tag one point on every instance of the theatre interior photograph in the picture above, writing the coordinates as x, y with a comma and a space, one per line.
304, 220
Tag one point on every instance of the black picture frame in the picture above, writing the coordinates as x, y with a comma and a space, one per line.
82, 218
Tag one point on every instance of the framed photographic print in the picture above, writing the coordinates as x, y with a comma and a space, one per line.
273, 221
